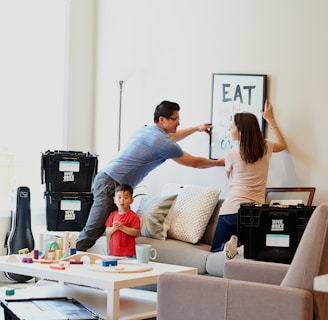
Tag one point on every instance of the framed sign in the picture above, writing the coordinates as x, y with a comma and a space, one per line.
232, 93
289, 196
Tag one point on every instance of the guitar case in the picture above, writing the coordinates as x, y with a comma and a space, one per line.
20, 235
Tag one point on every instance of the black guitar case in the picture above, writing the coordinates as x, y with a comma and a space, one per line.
20, 236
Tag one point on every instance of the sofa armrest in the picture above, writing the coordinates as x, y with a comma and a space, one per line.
182, 297
255, 271
194, 297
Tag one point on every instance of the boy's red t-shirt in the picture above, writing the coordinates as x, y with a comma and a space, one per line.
120, 243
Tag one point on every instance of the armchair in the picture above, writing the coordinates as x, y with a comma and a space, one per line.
254, 290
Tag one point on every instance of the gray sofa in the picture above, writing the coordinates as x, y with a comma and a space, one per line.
255, 290
192, 255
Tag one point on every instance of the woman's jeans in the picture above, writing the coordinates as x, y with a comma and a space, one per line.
225, 228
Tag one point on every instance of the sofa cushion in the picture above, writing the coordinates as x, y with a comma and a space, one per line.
191, 213
215, 263
179, 253
153, 213
211, 226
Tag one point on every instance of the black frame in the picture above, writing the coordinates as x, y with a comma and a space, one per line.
231, 93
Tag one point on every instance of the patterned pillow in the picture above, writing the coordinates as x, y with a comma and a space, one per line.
153, 214
192, 210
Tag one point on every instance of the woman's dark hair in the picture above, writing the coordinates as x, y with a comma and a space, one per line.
124, 187
252, 144
165, 109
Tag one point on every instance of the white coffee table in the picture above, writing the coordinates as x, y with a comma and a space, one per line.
107, 294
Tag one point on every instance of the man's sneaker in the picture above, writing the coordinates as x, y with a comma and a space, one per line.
230, 249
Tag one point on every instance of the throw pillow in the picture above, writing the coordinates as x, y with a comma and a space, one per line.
153, 213
192, 211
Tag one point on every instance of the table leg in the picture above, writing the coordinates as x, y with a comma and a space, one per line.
113, 304
321, 305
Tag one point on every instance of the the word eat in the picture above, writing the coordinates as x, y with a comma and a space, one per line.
229, 93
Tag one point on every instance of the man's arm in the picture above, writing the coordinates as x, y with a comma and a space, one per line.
183, 133
198, 162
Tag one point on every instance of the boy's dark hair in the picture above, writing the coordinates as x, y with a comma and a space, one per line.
124, 187
165, 109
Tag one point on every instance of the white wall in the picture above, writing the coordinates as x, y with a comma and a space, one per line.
169, 50
79, 98
80, 75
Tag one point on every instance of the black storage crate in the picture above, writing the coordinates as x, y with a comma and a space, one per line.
67, 211
68, 171
46, 308
272, 233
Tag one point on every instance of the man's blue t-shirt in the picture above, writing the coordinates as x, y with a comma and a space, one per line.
149, 147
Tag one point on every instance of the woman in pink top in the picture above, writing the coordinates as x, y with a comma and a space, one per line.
247, 170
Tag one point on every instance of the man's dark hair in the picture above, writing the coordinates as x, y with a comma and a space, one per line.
124, 187
165, 109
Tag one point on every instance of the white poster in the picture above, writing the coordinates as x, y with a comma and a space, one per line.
232, 93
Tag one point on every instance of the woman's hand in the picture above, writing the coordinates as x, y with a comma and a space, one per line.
267, 114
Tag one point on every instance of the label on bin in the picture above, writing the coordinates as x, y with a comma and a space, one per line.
73, 205
68, 176
70, 215
277, 240
277, 225
73, 166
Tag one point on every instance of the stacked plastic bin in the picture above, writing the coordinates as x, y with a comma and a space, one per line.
68, 178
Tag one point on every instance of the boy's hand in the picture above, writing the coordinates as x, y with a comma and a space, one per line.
118, 225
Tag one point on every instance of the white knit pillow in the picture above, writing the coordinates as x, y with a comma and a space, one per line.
192, 210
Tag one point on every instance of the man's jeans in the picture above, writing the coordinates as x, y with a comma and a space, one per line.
103, 205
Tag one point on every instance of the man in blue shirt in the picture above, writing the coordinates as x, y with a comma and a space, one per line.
149, 147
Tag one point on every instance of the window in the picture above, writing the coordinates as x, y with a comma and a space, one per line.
32, 86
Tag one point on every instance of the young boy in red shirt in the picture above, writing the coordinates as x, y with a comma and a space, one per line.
123, 224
